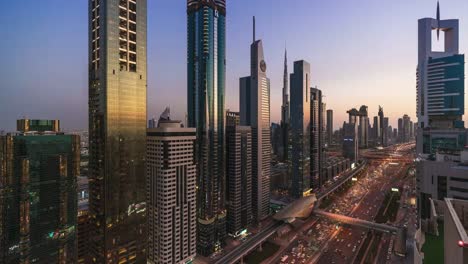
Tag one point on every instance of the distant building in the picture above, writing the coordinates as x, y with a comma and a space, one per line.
330, 127
285, 115
238, 178
301, 130
351, 142
39, 167
152, 123
171, 197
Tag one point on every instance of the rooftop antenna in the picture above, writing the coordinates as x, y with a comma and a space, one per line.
254, 29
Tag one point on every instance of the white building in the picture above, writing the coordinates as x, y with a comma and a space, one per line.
171, 193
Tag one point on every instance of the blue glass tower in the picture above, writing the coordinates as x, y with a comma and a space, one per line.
206, 70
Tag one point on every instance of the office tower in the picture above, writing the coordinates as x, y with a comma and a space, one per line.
400, 130
382, 128
206, 78
440, 88
386, 133
376, 129
395, 134
361, 119
285, 113
232, 118
406, 128
411, 128
317, 137
255, 112
351, 142
239, 178
117, 130
301, 130
38, 197
330, 127
152, 123
171, 198
363, 127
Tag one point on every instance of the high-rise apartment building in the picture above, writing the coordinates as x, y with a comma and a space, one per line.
301, 129
171, 198
38, 194
238, 177
117, 130
206, 85
317, 137
329, 127
255, 112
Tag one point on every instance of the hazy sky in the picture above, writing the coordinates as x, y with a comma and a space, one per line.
361, 52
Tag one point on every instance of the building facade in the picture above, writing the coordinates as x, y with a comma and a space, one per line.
301, 129
171, 198
239, 179
255, 112
38, 197
206, 78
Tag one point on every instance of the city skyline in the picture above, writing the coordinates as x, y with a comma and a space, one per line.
66, 56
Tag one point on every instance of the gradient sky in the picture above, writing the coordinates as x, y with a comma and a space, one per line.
361, 52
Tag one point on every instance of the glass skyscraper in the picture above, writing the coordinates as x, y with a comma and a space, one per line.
206, 70
117, 130
301, 130
38, 197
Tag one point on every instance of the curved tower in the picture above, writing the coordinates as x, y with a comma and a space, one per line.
206, 69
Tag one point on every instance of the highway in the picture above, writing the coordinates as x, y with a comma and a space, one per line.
242, 250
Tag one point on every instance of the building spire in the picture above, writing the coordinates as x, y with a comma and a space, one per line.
254, 37
438, 20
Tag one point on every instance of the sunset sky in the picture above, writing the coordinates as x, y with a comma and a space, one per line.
360, 51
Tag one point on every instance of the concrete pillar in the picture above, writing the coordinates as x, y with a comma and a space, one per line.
400, 243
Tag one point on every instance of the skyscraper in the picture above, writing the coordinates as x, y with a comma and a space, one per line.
301, 129
382, 128
285, 112
363, 127
206, 78
329, 127
171, 197
351, 141
440, 88
238, 177
117, 130
255, 112
317, 137
38, 194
